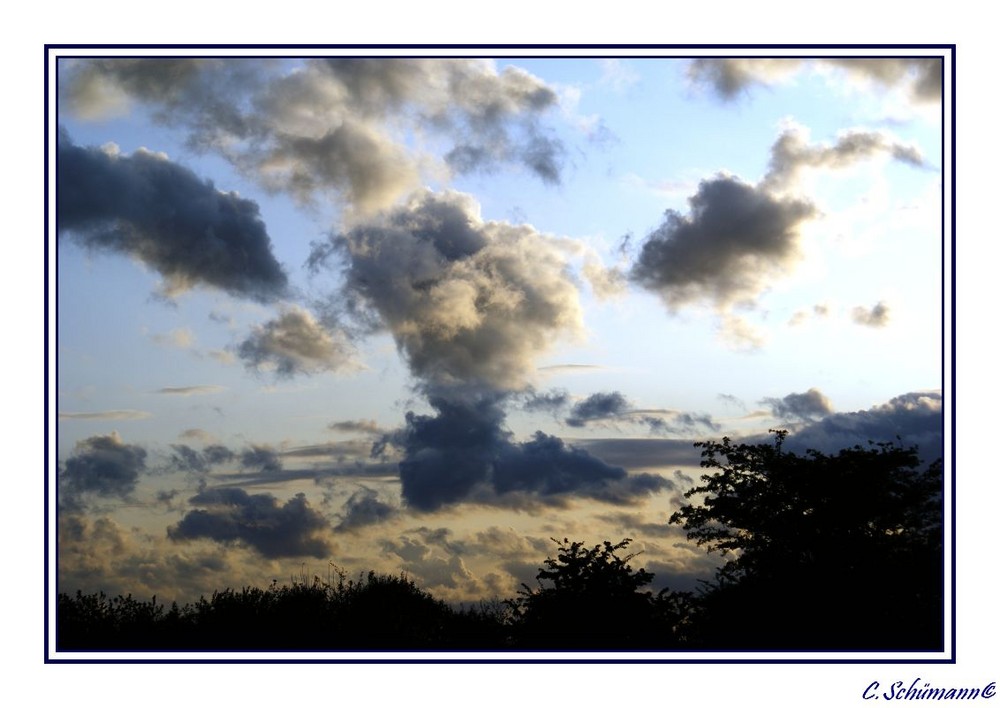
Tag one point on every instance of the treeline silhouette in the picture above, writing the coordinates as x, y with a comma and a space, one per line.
823, 552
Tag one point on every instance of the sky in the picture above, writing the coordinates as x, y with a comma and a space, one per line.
425, 314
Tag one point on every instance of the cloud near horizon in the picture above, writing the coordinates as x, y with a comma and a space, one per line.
257, 521
465, 454
102, 466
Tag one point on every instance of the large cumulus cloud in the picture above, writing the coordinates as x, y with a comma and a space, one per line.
469, 302
738, 237
181, 226
735, 239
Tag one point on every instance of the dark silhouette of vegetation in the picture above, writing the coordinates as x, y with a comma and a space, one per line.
590, 598
821, 552
836, 551
376, 612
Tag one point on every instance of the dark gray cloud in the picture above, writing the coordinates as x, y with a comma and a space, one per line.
102, 465
598, 406
364, 508
732, 243
368, 427
920, 77
186, 459
914, 418
806, 406
877, 316
469, 302
258, 521
546, 402
163, 214
296, 343
642, 453
330, 126
464, 453
613, 409
261, 459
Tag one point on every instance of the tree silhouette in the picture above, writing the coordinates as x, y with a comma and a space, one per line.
591, 598
836, 551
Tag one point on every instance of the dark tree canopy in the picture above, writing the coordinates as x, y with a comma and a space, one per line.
591, 598
823, 551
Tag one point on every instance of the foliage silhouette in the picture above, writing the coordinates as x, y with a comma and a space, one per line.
836, 551
591, 598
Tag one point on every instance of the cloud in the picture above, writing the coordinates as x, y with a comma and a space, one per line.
598, 406
331, 126
801, 316
915, 418
549, 401
181, 338
464, 453
187, 459
261, 459
191, 390
296, 343
738, 237
99, 554
877, 316
258, 521
161, 213
735, 239
369, 427
102, 465
731, 77
126, 414
791, 154
468, 302
919, 77
364, 508
739, 334
642, 453
800, 406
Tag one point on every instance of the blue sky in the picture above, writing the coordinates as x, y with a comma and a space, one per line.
463, 306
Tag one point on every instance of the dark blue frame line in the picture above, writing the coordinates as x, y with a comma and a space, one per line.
689, 656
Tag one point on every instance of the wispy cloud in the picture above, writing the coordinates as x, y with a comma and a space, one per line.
125, 414
190, 390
